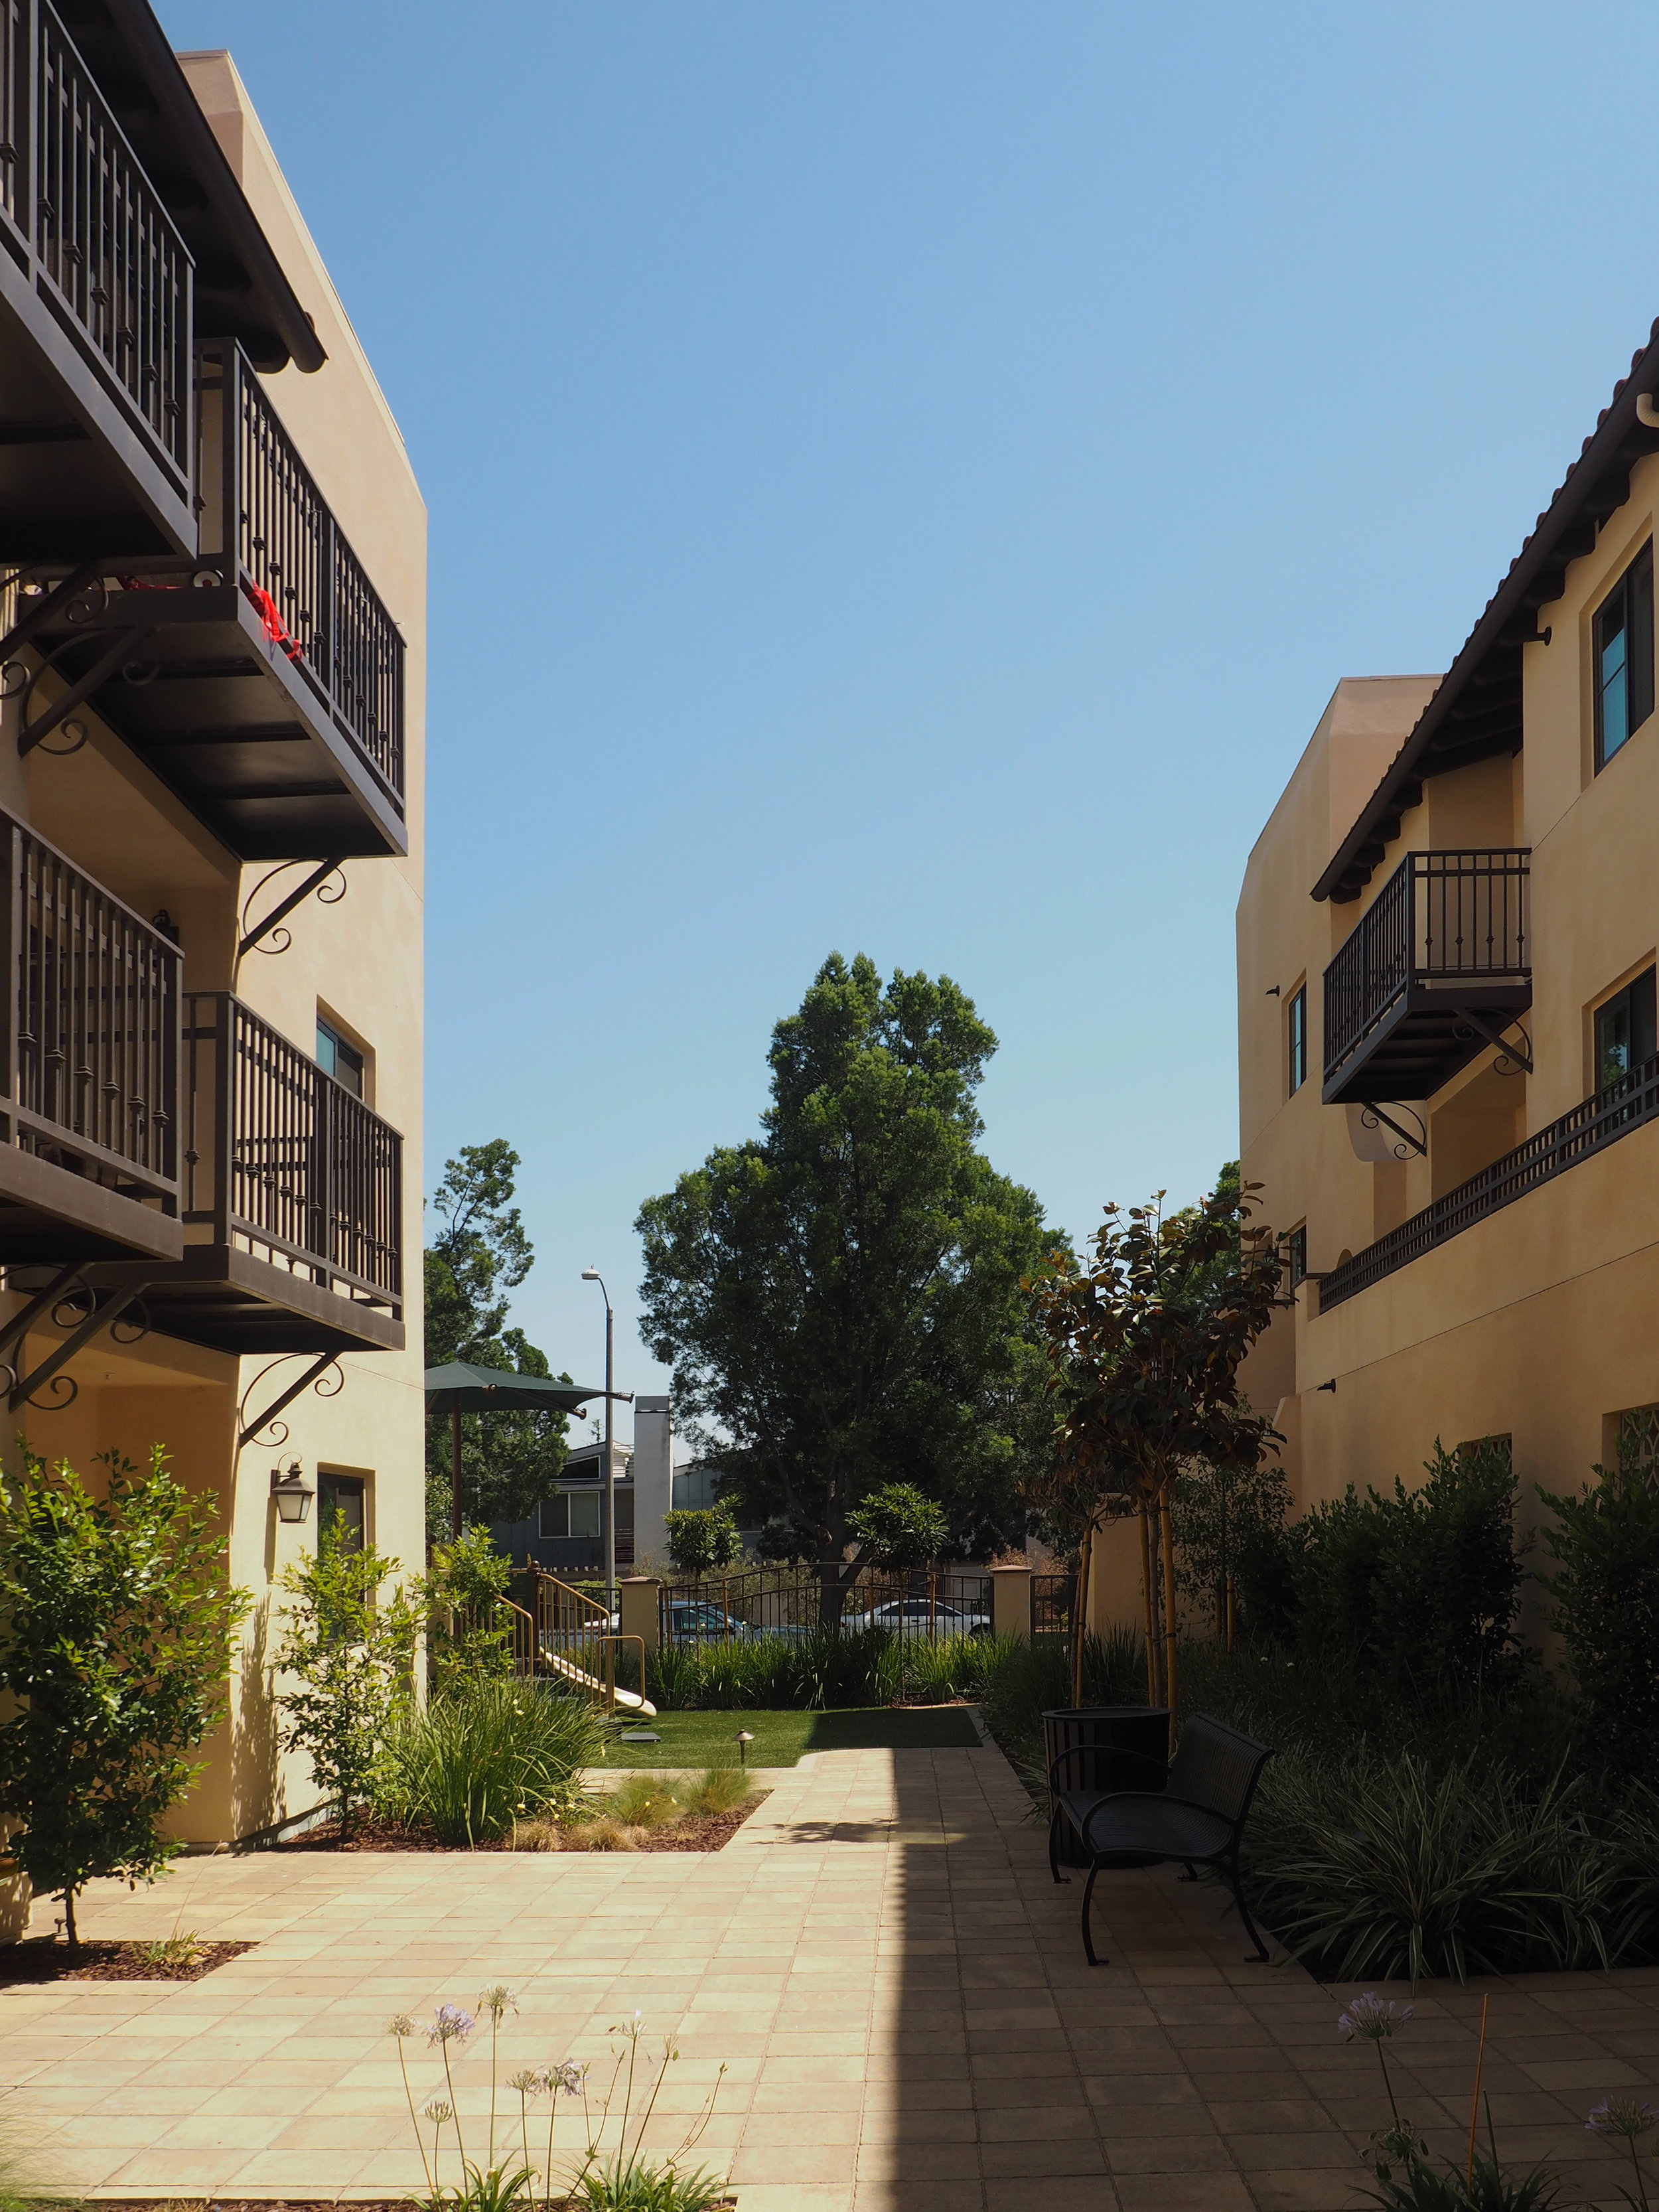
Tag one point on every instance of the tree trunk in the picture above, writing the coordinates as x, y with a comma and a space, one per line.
69, 1935
1169, 1683
1146, 1596
1080, 1611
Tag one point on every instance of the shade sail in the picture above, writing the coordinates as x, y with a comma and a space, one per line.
462, 1388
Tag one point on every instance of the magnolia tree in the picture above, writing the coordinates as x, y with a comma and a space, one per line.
1145, 1343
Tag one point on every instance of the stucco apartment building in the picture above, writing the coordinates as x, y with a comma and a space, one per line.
1448, 1087
210, 830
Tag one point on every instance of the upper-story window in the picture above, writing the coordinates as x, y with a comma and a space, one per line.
1297, 1255
1297, 1039
1627, 1030
1624, 657
338, 1059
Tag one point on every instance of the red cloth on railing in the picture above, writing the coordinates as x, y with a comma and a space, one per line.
269, 613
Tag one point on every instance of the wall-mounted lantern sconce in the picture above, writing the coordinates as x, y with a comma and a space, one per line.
292, 1491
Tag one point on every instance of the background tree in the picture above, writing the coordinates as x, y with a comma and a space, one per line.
839, 1298
898, 1527
1145, 1346
699, 1539
477, 1252
116, 1621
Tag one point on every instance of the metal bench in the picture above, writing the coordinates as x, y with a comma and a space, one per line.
1197, 1819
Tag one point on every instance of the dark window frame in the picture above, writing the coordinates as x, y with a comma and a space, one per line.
1625, 615
353, 1486
338, 1056
1295, 1038
1297, 1255
1633, 1009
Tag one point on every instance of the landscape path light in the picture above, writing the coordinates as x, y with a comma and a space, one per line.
744, 1740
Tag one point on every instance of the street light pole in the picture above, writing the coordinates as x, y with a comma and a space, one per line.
608, 1507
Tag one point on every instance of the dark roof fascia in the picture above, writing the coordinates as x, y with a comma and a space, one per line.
256, 301
1491, 653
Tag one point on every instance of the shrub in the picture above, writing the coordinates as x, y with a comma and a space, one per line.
699, 1542
899, 1526
1391, 1867
349, 1654
467, 1631
115, 1632
1606, 1587
485, 1753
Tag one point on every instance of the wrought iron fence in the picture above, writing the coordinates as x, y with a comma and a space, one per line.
104, 244
1052, 1599
296, 565
1440, 918
1550, 1152
794, 1601
91, 1028
282, 1155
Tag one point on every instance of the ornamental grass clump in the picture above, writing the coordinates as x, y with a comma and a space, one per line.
486, 1754
620, 2179
1627, 2119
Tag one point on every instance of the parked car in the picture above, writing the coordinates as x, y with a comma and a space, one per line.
920, 1616
691, 1620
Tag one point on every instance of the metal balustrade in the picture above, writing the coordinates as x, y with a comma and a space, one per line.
79, 212
299, 567
1443, 921
91, 1027
282, 1157
1600, 1120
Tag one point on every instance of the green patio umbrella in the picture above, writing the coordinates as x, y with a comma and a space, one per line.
461, 1388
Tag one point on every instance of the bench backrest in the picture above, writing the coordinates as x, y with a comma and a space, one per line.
1217, 1767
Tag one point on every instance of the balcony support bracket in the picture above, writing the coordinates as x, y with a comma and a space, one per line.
44, 607
1413, 1144
125, 649
19, 1326
252, 939
1494, 1036
313, 1373
98, 1318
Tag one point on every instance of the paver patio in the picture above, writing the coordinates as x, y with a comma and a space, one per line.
882, 1962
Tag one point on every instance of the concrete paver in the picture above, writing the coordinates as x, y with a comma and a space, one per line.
896, 1990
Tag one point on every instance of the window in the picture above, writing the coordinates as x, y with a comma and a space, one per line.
1298, 1244
338, 1059
571, 1513
1296, 1018
341, 1493
1625, 1032
1624, 657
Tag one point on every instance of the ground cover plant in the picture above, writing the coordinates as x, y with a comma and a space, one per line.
484, 1753
819, 1668
116, 1621
646, 1811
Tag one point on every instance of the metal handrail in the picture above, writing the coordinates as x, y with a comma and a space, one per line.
1600, 1120
281, 1155
89, 1025
1441, 919
295, 562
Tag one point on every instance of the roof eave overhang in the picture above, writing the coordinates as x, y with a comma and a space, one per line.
1459, 724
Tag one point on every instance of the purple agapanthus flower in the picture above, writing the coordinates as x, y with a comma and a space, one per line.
450, 2025
1628, 2117
1372, 2017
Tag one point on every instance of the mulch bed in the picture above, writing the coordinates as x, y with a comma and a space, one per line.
708, 1833
308, 2204
45, 1960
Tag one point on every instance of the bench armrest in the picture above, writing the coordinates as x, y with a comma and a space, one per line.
1154, 1797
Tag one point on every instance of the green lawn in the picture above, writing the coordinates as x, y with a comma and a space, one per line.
699, 1738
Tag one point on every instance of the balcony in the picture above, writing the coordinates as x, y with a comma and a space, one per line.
1436, 971
1630, 1104
89, 1027
262, 681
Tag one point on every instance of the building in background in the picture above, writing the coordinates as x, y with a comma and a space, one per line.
210, 820
564, 1534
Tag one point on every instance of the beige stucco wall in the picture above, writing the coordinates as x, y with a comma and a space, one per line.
1537, 1321
360, 962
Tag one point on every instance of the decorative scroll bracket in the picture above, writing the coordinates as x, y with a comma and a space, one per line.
98, 1319
1519, 1059
311, 1376
252, 939
1414, 1144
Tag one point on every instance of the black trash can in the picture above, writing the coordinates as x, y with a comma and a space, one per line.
1119, 1748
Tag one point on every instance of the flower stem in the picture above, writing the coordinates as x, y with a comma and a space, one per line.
421, 2147
460, 2141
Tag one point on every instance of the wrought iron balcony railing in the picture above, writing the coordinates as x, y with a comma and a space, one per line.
89, 1026
296, 563
1438, 965
282, 1159
79, 213
1600, 1120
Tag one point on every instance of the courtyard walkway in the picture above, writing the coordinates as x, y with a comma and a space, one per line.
882, 1963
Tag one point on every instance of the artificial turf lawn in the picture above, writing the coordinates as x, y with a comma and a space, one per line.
699, 1738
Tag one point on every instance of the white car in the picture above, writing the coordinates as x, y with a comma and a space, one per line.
920, 1616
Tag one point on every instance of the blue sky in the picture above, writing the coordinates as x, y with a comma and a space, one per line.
905, 479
